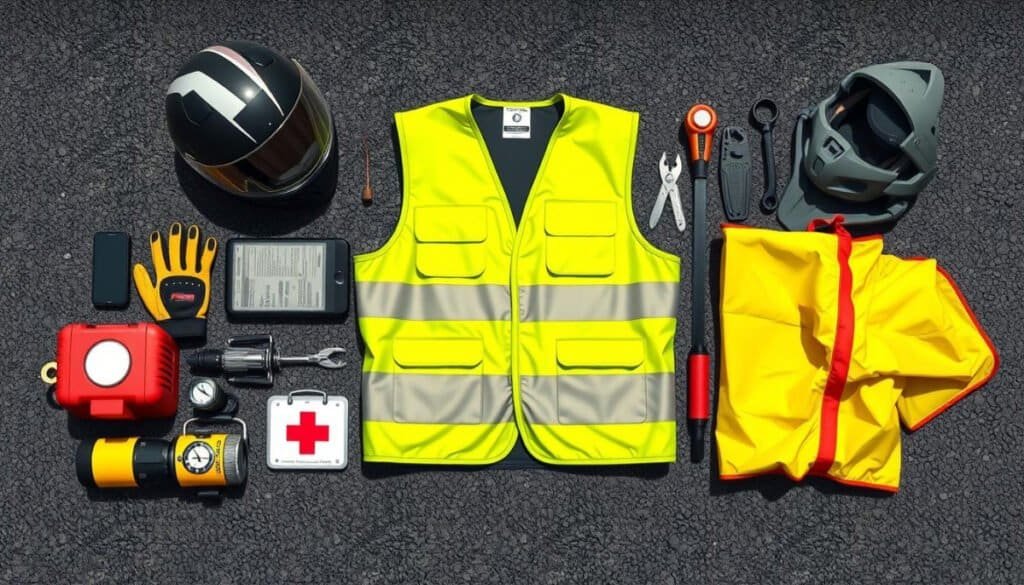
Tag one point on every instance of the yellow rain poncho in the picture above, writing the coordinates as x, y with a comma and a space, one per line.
827, 344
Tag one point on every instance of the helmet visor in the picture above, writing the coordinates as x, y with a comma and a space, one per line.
286, 161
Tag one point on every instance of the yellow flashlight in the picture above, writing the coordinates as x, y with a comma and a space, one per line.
191, 460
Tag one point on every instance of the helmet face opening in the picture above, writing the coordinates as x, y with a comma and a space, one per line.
249, 120
873, 124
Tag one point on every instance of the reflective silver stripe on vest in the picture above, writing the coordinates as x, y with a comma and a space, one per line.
597, 399
567, 399
429, 398
598, 302
433, 302
490, 302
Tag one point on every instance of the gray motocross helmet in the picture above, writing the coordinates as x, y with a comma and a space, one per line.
867, 151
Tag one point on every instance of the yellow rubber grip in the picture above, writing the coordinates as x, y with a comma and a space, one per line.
112, 463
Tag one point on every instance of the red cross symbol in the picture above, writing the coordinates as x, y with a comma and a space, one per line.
307, 433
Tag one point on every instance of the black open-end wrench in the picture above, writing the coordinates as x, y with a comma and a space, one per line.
763, 116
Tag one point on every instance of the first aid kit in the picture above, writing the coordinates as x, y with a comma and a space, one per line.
307, 429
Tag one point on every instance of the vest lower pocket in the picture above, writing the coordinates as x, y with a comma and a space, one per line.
451, 240
438, 380
580, 238
601, 381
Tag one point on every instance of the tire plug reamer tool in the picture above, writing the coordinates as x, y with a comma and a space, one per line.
251, 360
700, 125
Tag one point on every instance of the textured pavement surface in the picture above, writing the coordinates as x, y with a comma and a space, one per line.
83, 148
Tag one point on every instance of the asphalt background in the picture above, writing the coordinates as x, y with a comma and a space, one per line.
83, 147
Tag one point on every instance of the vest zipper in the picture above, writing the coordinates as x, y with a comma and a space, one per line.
517, 233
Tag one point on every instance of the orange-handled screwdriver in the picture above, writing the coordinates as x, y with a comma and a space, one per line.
700, 125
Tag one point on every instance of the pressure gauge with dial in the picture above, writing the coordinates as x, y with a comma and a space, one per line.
206, 395
198, 457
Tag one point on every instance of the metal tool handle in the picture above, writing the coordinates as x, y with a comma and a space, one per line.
236, 360
306, 391
659, 206
329, 357
677, 209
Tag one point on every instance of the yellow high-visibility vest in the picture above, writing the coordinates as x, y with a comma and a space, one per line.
477, 330
827, 344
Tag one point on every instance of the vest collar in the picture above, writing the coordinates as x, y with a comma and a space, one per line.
554, 99
474, 129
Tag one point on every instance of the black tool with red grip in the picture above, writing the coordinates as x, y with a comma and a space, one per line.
700, 125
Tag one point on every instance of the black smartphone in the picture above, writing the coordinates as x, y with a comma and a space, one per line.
111, 258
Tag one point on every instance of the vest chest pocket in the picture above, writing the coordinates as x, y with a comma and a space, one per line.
601, 381
450, 240
438, 380
580, 238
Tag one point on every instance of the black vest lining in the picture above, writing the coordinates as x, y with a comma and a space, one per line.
517, 160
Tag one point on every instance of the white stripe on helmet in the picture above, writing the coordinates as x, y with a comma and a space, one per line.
216, 95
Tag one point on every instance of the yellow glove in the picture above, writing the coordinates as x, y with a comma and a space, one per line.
181, 294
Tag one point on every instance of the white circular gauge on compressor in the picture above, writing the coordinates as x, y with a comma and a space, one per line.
198, 457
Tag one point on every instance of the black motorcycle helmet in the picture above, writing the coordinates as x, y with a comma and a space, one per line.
249, 120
